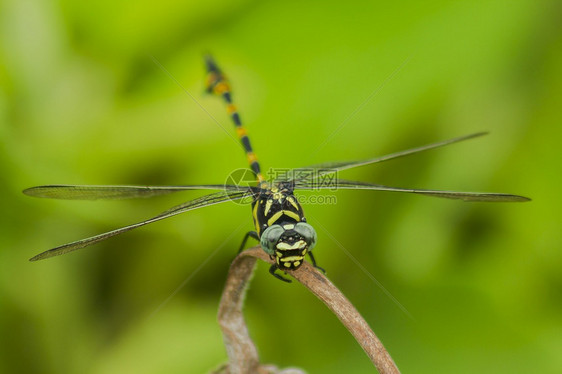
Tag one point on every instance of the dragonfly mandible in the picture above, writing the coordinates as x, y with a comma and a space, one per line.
279, 220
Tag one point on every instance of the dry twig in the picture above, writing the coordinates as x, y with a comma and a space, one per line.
242, 353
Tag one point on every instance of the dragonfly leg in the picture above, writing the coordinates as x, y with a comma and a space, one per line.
249, 234
278, 276
314, 263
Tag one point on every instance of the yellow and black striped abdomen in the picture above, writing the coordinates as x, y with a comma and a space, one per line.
218, 85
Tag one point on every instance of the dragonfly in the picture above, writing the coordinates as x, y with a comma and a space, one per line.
280, 225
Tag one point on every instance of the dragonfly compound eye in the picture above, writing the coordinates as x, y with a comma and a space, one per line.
307, 232
270, 237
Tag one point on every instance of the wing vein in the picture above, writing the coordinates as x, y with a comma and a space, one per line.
338, 184
203, 201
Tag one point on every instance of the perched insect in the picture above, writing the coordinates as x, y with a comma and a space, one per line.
279, 220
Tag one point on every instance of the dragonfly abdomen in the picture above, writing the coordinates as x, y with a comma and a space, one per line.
218, 85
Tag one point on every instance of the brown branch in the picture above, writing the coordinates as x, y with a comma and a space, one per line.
242, 353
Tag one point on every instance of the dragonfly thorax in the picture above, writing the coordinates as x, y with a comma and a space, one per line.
288, 243
281, 226
276, 204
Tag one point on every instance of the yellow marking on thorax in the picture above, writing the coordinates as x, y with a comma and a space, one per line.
255, 214
268, 204
278, 215
274, 218
293, 215
289, 226
293, 202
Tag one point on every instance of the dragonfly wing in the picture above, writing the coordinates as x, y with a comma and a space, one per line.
86, 192
203, 201
319, 170
466, 196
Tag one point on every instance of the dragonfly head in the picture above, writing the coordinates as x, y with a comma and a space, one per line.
288, 243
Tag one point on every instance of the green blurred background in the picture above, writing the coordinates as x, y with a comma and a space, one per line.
83, 102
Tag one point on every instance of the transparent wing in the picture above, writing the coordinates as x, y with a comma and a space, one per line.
203, 201
319, 170
466, 196
87, 192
